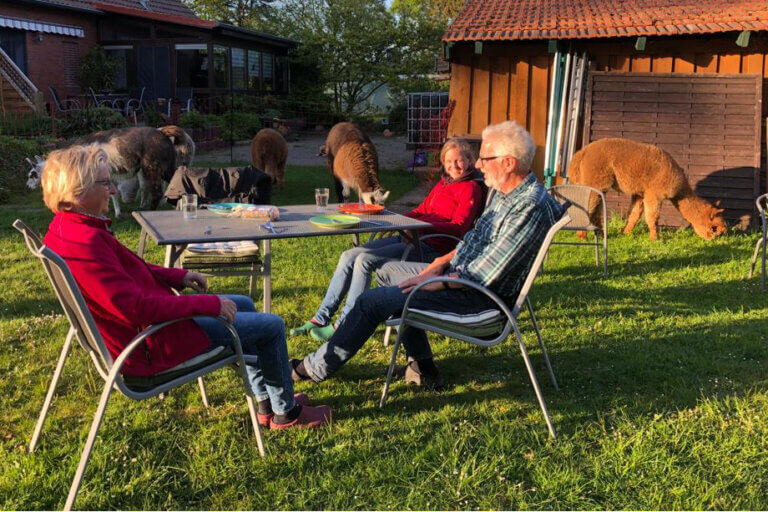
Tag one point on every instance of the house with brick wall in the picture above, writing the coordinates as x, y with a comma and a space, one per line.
160, 46
688, 76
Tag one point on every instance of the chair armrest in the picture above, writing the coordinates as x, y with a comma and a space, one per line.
426, 237
139, 338
71, 104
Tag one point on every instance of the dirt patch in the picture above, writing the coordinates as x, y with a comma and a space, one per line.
392, 152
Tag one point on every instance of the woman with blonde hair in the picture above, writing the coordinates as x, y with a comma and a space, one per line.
451, 207
125, 294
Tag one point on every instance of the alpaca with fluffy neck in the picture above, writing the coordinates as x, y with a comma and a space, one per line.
649, 175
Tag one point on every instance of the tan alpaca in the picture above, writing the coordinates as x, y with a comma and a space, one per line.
269, 152
648, 174
354, 163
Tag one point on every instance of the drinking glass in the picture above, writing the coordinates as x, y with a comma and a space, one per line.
189, 206
321, 199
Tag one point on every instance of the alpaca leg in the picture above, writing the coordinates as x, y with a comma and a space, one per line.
635, 210
651, 205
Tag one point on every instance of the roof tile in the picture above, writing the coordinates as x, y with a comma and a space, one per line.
579, 19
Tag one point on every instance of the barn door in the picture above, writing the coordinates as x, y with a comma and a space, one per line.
709, 123
154, 70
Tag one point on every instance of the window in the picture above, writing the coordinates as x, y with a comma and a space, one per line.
14, 44
267, 71
71, 61
191, 65
238, 68
125, 76
254, 69
123, 32
221, 67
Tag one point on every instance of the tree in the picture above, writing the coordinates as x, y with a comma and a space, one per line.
234, 12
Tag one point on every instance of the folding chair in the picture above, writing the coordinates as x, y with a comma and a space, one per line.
580, 197
83, 327
762, 205
65, 107
97, 103
469, 327
133, 104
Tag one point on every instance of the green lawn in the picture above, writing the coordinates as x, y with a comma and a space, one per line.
663, 402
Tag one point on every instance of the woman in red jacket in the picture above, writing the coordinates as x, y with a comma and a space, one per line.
451, 207
125, 294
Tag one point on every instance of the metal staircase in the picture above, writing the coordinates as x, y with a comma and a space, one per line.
17, 92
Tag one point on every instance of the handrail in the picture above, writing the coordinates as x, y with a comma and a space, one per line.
17, 79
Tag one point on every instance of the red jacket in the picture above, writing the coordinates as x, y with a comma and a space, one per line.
451, 208
125, 294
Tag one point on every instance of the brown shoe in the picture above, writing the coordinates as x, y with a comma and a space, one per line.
414, 375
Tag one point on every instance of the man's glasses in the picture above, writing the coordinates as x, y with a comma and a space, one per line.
484, 159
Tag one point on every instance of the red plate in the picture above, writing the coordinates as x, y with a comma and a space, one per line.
370, 209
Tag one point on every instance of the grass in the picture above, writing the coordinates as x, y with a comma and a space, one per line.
663, 402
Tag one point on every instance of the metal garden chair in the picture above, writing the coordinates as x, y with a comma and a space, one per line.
64, 106
83, 327
480, 328
580, 196
762, 206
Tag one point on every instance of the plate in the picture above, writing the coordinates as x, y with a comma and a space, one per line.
335, 221
359, 208
225, 208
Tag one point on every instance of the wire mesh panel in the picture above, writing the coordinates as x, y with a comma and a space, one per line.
424, 118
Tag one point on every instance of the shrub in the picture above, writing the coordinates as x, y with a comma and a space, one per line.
239, 126
90, 120
97, 70
153, 118
13, 167
30, 124
193, 119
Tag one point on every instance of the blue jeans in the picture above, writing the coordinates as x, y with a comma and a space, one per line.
353, 274
374, 307
261, 335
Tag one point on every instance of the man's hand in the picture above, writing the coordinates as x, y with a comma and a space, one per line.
409, 284
196, 281
228, 309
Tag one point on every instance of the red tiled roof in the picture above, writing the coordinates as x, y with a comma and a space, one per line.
498, 20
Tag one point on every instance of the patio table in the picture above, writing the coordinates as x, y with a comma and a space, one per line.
169, 228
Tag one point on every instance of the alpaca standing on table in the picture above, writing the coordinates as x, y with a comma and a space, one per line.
650, 175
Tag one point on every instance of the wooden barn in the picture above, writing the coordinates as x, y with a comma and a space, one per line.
687, 76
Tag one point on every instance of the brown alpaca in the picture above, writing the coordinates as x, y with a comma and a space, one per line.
354, 163
269, 151
650, 175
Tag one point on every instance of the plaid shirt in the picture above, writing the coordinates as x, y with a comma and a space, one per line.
499, 251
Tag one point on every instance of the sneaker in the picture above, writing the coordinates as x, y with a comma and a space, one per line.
423, 380
309, 417
303, 329
264, 419
322, 333
296, 376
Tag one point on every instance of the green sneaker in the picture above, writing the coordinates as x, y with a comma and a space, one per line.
322, 333
304, 329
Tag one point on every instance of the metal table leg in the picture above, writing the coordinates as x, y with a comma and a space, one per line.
267, 265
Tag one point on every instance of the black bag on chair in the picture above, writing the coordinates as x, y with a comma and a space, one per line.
225, 185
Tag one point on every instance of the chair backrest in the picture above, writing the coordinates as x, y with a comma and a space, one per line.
762, 206
528, 284
70, 298
56, 100
579, 196
93, 96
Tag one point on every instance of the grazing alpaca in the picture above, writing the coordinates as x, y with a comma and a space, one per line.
650, 175
269, 152
353, 160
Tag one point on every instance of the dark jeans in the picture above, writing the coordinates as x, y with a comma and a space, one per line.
375, 306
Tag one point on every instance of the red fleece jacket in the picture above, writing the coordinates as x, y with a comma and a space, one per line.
451, 208
126, 294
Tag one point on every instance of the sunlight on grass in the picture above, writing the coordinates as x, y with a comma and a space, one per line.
663, 402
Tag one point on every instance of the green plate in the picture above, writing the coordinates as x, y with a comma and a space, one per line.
335, 221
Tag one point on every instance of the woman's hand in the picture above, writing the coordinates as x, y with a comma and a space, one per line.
196, 281
228, 309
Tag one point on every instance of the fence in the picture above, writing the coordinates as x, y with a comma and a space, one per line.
425, 112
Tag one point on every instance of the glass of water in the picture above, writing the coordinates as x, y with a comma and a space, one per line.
189, 206
321, 199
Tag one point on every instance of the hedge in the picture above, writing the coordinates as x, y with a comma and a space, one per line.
13, 166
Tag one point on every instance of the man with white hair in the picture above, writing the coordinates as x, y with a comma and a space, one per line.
497, 253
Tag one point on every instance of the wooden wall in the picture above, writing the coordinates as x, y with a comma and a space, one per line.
511, 80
